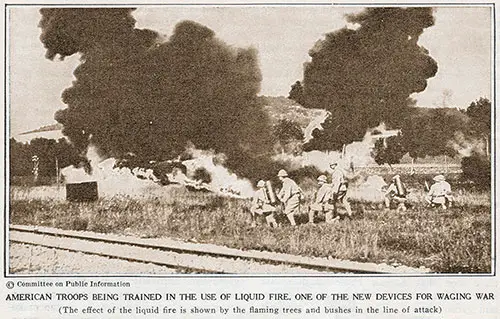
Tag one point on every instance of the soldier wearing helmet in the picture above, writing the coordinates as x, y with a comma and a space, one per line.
321, 201
339, 188
290, 195
440, 193
396, 193
261, 205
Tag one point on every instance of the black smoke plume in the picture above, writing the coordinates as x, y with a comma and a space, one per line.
365, 76
135, 93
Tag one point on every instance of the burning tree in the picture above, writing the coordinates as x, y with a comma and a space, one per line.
424, 132
477, 167
288, 135
136, 94
480, 114
365, 76
388, 150
428, 132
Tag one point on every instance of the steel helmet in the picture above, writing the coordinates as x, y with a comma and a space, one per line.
282, 173
261, 183
439, 178
322, 178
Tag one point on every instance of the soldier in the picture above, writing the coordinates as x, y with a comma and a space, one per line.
396, 192
440, 193
321, 200
261, 205
290, 195
339, 188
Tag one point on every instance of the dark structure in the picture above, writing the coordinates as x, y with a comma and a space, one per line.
82, 192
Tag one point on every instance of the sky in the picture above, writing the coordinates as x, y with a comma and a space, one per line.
460, 42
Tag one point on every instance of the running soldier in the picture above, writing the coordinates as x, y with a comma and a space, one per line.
290, 195
321, 202
339, 189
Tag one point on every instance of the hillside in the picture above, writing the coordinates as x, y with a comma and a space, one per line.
46, 128
281, 107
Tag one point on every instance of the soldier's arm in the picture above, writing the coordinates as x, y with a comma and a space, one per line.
432, 190
255, 200
335, 184
390, 189
320, 196
287, 192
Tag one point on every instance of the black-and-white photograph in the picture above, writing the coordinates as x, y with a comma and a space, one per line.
329, 140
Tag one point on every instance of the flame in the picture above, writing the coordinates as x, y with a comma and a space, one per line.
114, 181
370, 190
223, 181
111, 180
464, 146
356, 154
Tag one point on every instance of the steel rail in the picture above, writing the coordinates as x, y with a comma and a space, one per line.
203, 257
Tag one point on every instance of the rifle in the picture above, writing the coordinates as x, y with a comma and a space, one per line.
427, 188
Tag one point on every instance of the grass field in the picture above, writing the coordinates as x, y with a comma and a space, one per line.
457, 240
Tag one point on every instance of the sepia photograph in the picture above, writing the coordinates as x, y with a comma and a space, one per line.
308, 140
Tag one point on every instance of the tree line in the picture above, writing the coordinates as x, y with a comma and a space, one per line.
52, 155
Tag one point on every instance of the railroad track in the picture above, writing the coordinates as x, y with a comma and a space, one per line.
193, 257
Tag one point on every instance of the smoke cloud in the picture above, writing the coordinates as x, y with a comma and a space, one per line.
136, 93
365, 76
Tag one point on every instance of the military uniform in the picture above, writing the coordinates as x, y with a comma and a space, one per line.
440, 193
392, 194
289, 195
339, 189
321, 202
261, 205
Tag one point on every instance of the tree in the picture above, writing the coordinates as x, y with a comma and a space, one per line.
480, 114
335, 134
428, 132
297, 93
201, 174
389, 150
477, 168
49, 151
20, 158
289, 135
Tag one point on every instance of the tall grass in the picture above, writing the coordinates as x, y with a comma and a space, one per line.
455, 240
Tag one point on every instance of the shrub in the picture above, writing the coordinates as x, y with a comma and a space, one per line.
477, 168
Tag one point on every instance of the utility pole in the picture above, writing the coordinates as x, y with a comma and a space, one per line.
36, 164
57, 171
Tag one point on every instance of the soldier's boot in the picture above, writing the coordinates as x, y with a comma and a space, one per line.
401, 207
347, 206
271, 221
291, 219
329, 217
254, 223
449, 202
387, 203
311, 214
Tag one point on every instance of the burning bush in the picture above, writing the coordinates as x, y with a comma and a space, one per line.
201, 174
